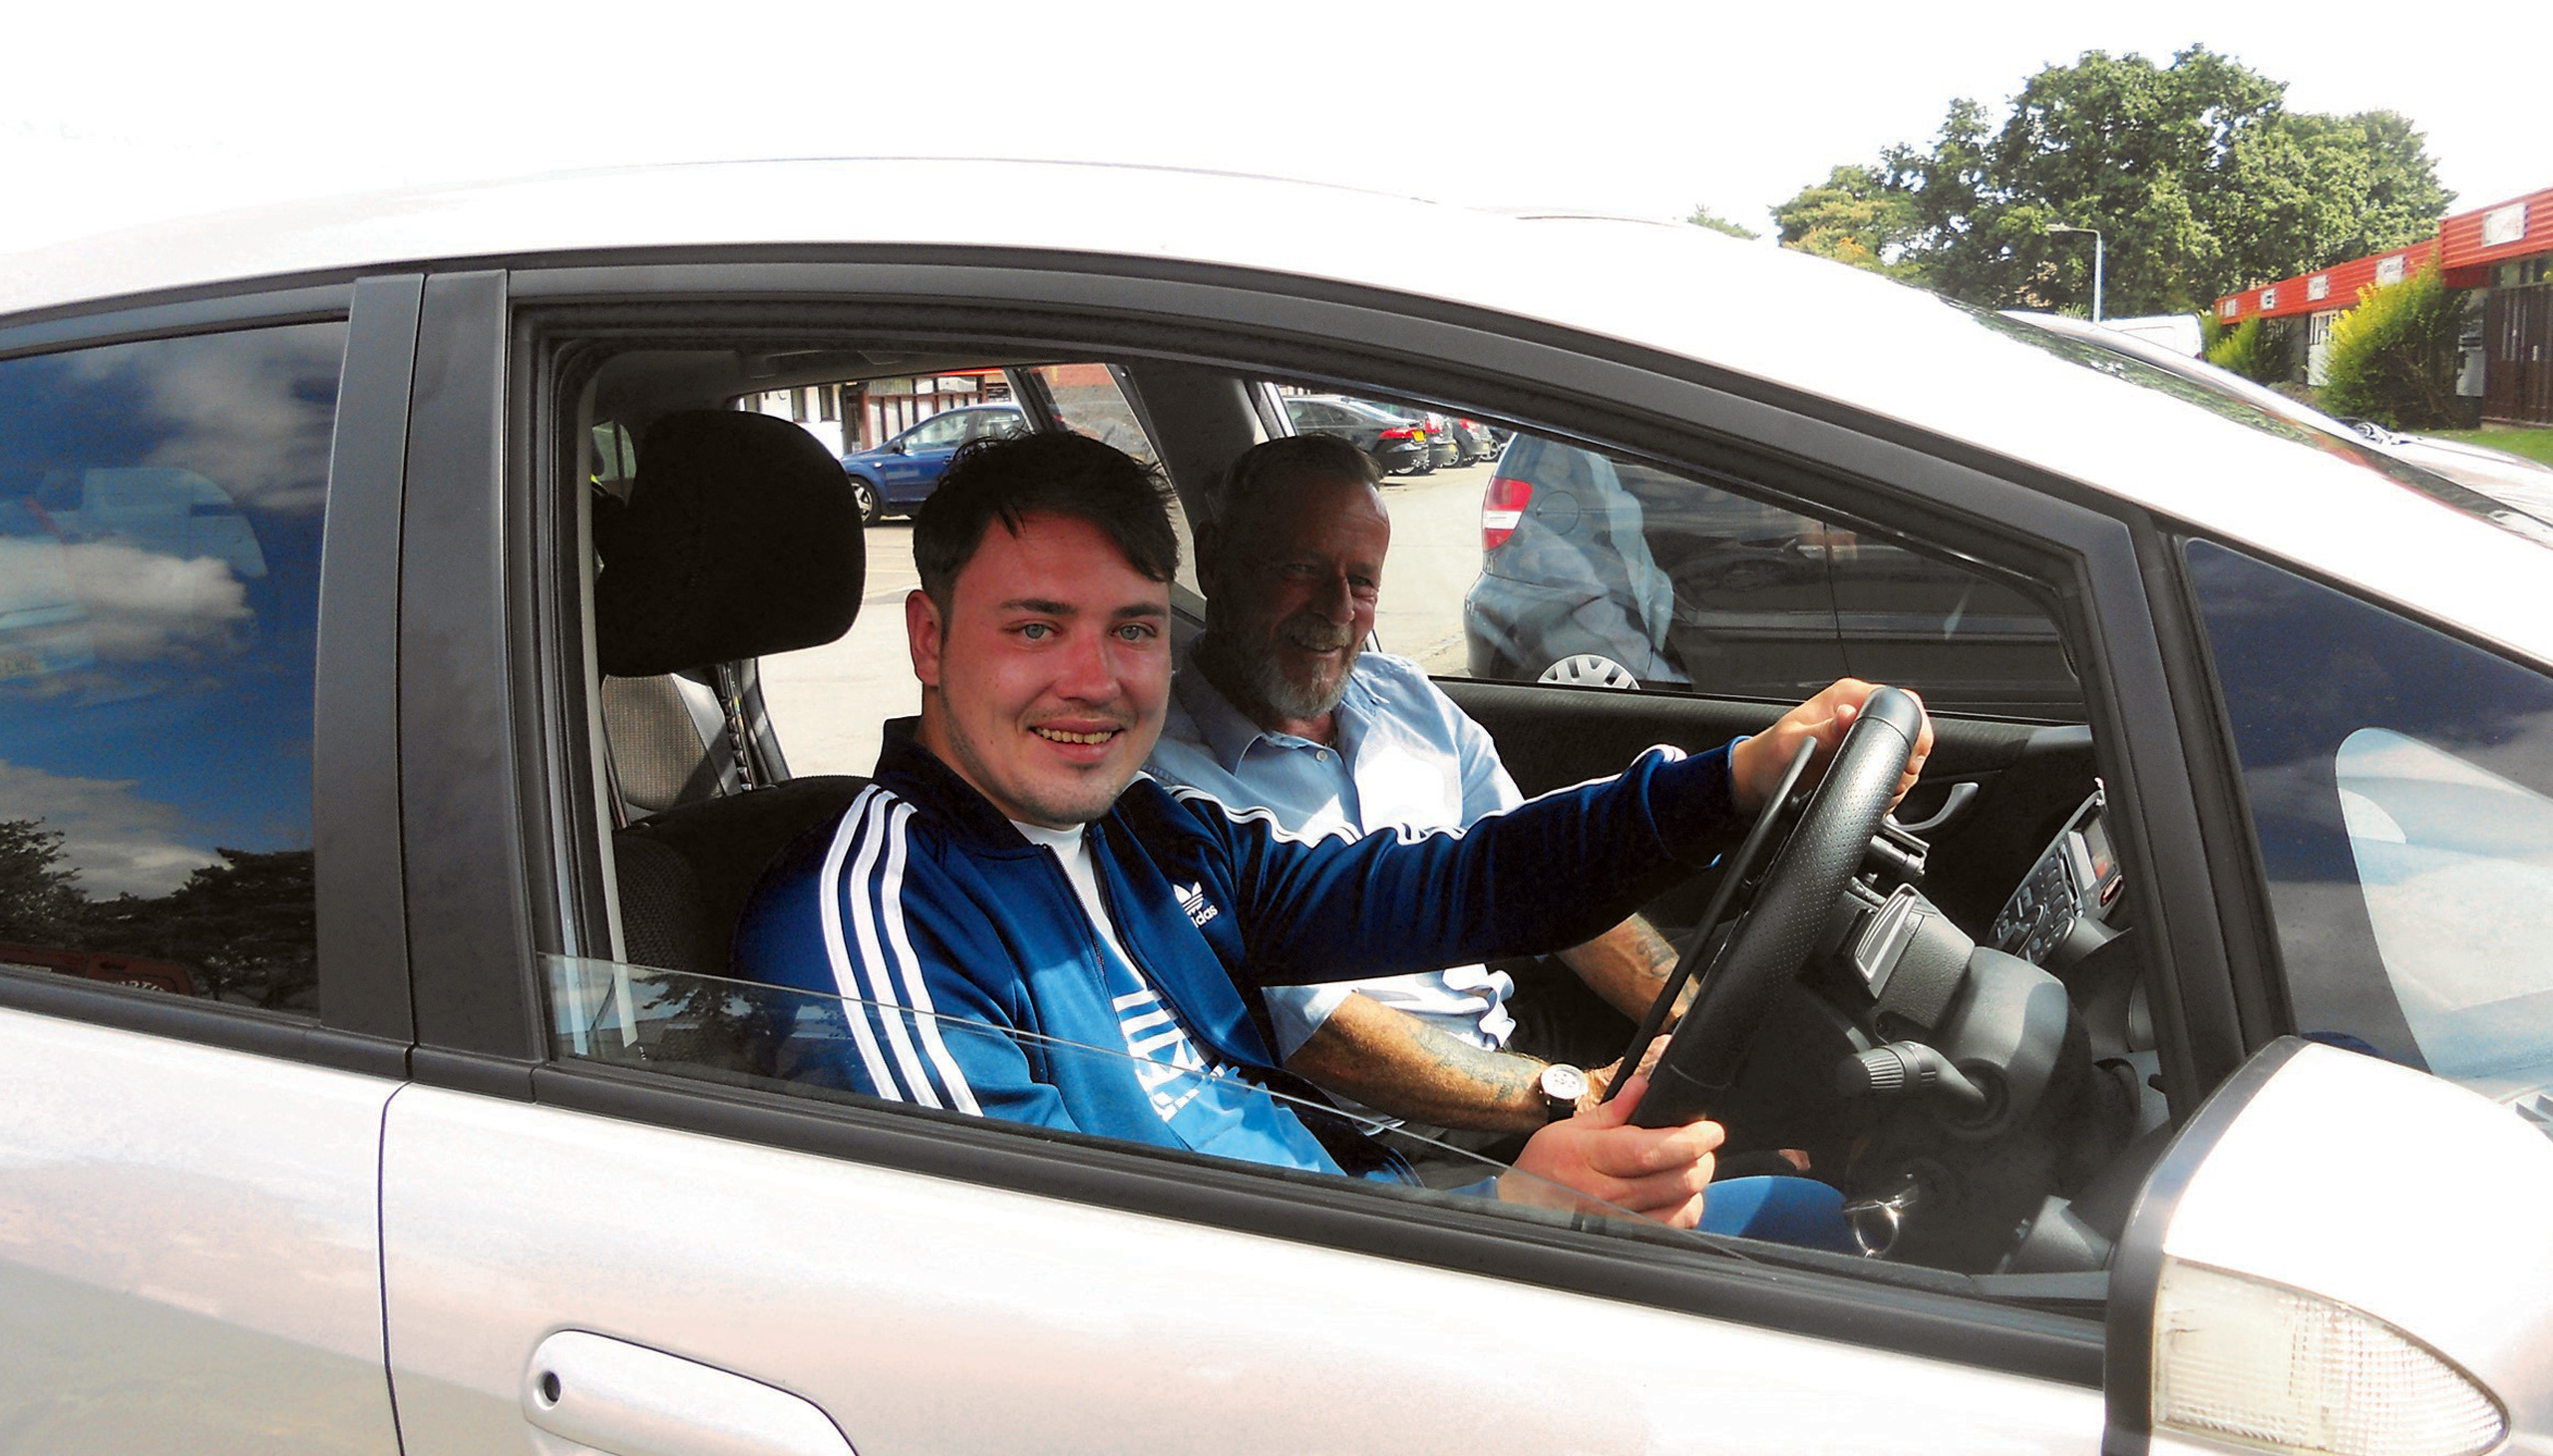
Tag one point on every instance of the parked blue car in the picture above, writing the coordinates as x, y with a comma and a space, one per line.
896, 477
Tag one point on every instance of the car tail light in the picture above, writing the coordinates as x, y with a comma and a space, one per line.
1404, 433
1501, 506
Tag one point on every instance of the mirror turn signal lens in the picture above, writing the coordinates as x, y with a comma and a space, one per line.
2246, 1363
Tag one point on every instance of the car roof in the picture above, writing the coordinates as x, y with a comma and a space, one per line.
1800, 323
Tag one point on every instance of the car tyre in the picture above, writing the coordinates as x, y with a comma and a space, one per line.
1590, 669
864, 494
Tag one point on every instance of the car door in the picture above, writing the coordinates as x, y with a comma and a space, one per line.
203, 998
913, 461
935, 1280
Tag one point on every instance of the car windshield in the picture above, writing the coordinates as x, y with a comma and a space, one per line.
2247, 404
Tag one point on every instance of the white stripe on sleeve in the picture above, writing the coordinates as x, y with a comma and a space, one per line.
891, 898
866, 874
829, 890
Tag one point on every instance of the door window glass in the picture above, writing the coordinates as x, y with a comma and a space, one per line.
936, 433
1091, 399
160, 506
1562, 565
834, 1049
1965, 641
996, 425
1606, 571
2401, 788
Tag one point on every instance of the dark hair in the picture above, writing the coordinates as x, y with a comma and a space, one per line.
1068, 475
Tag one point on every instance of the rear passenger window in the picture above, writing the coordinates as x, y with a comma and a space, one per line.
160, 506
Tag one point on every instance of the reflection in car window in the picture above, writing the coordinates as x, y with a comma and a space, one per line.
2401, 788
1090, 399
2457, 866
747, 1033
160, 529
2235, 399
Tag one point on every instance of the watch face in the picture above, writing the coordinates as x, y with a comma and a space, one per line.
1564, 1083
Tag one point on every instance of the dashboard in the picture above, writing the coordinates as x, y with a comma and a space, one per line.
2062, 909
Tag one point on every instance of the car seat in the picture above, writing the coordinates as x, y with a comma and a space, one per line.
740, 538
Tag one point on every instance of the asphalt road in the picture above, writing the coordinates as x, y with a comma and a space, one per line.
827, 703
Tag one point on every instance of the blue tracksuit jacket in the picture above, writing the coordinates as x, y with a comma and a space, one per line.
971, 972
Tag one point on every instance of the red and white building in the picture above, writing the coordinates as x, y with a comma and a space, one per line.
2505, 251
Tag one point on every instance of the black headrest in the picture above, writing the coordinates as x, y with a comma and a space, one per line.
740, 539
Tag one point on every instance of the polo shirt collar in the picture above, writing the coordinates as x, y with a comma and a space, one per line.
1229, 732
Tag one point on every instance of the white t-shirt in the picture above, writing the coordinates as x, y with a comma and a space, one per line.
1201, 1101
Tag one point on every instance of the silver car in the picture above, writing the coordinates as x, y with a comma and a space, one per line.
2185, 1069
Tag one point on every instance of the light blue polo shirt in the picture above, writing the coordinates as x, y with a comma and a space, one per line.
1407, 758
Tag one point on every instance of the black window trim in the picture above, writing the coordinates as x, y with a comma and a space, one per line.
120, 322
1635, 399
357, 983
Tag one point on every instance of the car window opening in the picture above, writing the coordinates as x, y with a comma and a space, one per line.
1516, 558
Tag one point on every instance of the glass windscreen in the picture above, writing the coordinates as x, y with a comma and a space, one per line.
2245, 403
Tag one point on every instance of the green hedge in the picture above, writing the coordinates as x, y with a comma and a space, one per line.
2249, 350
2392, 358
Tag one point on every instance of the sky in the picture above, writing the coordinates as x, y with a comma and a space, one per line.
116, 115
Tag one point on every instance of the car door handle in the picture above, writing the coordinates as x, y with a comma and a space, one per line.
1962, 795
591, 1393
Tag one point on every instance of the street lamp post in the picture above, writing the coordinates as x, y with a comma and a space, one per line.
2096, 261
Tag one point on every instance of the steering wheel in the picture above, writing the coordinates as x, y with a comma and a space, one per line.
1788, 915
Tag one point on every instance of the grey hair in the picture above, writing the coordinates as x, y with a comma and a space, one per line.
1288, 460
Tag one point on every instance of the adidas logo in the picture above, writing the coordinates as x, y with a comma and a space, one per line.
1193, 899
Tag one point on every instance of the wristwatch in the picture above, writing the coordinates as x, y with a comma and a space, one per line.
1562, 1085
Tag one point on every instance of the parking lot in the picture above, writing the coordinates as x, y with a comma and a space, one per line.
828, 702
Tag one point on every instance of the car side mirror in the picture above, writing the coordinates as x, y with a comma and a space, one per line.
2336, 1254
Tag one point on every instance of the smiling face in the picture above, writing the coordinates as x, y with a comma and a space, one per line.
1292, 595
1045, 684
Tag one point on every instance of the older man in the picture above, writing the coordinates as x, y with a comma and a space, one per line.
1008, 893
1276, 705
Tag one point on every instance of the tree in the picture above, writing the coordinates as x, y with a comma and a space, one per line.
40, 902
2198, 177
248, 923
1852, 217
1704, 217
2392, 358
2314, 189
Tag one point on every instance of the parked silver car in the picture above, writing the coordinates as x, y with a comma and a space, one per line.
2186, 1067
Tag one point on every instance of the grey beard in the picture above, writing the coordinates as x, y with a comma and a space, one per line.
1262, 679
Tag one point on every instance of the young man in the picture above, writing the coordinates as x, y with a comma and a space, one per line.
1007, 889
1275, 705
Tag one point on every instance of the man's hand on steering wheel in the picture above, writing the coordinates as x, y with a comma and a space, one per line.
1756, 765
1656, 1172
